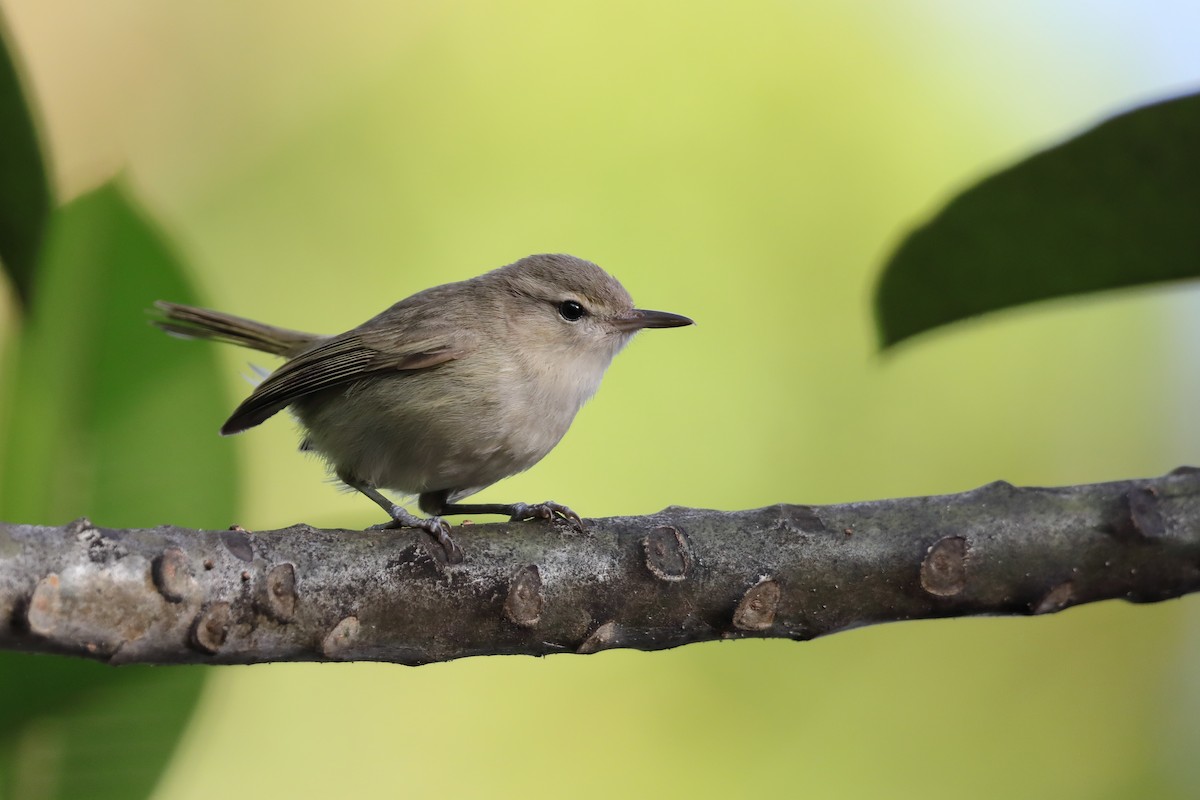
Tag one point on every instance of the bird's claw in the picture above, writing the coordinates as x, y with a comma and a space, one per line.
439, 530
548, 510
436, 528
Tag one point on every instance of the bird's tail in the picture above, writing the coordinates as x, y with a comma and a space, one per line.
190, 322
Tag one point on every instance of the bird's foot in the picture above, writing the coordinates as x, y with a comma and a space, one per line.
548, 510
436, 528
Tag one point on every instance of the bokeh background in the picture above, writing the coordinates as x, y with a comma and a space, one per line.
750, 165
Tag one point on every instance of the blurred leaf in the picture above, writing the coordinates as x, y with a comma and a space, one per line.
97, 426
1116, 206
83, 729
25, 200
98, 418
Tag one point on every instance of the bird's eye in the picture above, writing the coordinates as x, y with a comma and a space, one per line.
570, 311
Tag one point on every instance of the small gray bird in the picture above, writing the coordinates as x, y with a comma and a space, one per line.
448, 391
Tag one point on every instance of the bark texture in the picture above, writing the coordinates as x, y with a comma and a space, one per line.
172, 595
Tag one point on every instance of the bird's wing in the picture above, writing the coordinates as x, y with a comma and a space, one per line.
366, 350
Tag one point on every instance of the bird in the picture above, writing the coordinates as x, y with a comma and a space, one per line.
445, 392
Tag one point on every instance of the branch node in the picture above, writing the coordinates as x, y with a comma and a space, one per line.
525, 600
172, 575
45, 606
802, 518
238, 543
668, 555
756, 610
79, 527
944, 570
210, 628
602, 638
1141, 514
339, 640
1056, 599
280, 595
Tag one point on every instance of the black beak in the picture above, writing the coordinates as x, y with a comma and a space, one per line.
639, 318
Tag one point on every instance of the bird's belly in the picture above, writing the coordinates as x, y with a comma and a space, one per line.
406, 434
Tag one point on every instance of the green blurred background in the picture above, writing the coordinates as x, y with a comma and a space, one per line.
750, 165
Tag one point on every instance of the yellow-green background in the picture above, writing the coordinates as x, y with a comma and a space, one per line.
747, 164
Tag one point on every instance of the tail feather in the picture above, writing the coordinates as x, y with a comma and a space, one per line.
190, 322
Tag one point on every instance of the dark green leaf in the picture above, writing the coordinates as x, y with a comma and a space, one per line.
88, 730
1116, 206
100, 424
100, 418
25, 197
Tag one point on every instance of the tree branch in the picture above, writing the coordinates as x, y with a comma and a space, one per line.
172, 595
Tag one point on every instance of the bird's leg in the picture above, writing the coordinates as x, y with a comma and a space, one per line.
434, 526
435, 503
